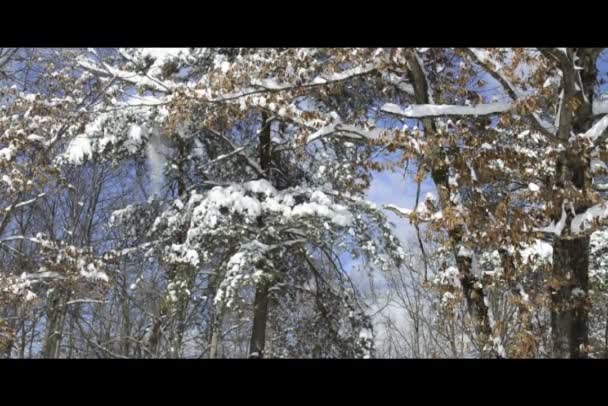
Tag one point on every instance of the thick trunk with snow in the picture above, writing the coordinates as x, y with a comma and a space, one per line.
260, 317
569, 315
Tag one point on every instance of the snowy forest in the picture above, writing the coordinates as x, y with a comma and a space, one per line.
303, 203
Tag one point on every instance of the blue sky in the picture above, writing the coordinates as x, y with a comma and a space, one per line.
395, 188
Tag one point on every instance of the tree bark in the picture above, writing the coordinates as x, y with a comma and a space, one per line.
569, 313
216, 332
260, 316
55, 319
260, 305
216, 319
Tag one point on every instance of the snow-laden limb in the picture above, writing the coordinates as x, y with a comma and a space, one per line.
79, 149
136, 100
398, 82
25, 203
448, 277
580, 222
41, 276
250, 162
537, 250
598, 166
422, 213
254, 198
495, 69
270, 84
91, 272
597, 129
17, 286
600, 106
135, 249
437, 110
249, 266
494, 66
62, 261
160, 55
137, 79
265, 85
110, 131
344, 130
140, 80
584, 221
464, 251
400, 211
549, 128
556, 227
225, 156
79, 301
273, 85
20, 237
349, 73
7, 153
323, 132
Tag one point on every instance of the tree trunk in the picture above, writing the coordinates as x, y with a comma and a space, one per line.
475, 298
55, 319
7, 346
260, 316
216, 332
155, 335
215, 327
260, 305
473, 293
126, 324
569, 290
569, 314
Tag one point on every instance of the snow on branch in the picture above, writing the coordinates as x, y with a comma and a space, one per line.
399, 82
240, 151
25, 203
494, 68
224, 156
421, 213
580, 222
129, 77
435, 110
600, 106
272, 85
344, 130
597, 129
400, 211
555, 227
584, 221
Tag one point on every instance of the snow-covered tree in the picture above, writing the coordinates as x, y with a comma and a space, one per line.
247, 183
211, 202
